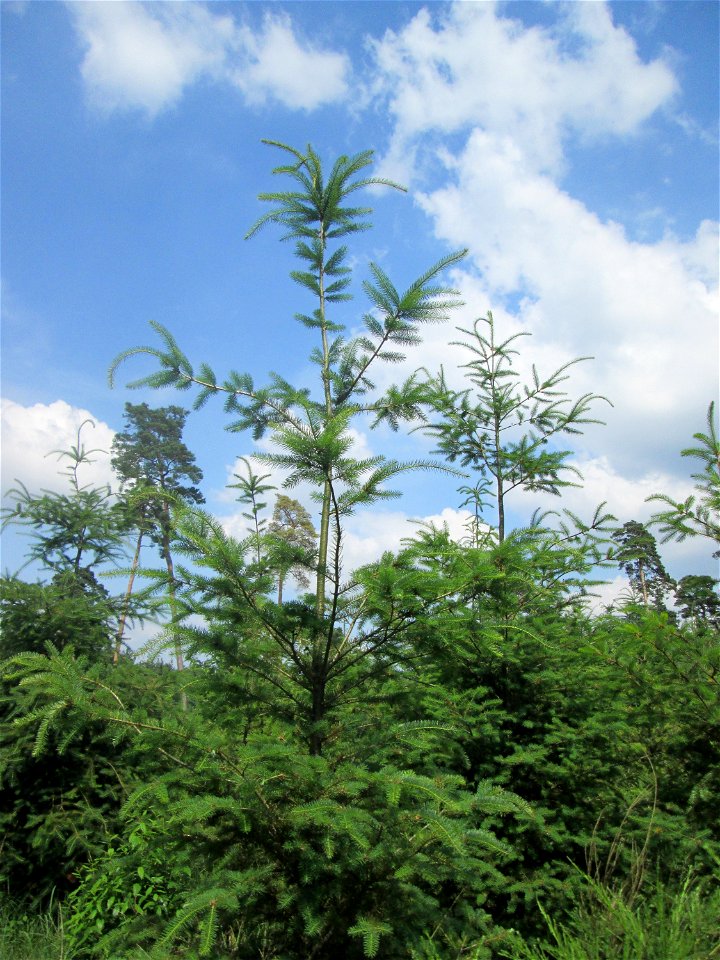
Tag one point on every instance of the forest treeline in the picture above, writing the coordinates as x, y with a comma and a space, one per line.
447, 753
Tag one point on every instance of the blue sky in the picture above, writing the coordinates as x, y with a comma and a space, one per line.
573, 148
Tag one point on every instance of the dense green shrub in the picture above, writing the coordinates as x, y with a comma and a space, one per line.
406, 761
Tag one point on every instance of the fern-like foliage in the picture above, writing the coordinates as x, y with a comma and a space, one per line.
699, 514
371, 931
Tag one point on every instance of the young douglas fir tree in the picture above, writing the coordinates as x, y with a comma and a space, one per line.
501, 427
310, 432
300, 835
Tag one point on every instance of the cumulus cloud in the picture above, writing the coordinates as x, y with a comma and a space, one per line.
279, 67
468, 66
602, 483
613, 590
578, 282
369, 534
32, 437
141, 56
584, 284
516, 94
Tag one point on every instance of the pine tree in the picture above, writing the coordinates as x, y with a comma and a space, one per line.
57, 809
292, 531
638, 557
154, 466
697, 596
76, 533
307, 829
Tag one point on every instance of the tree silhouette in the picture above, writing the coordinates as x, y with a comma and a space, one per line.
638, 557
154, 466
293, 532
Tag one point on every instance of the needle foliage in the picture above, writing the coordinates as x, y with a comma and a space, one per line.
443, 754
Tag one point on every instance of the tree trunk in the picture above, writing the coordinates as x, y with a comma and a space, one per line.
501, 510
643, 584
325, 515
318, 714
128, 594
323, 552
171, 596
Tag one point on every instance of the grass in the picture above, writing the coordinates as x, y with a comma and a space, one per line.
31, 937
680, 924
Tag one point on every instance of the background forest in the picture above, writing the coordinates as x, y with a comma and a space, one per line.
448, 752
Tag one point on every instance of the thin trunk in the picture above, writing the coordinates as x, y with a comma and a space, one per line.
78, 555
171, 596
318, 714
257, 533
126, 604
322, 552
325, 514
499, 482
280, 586
318, 692
643, 585
173, 606
499, 487
501, 510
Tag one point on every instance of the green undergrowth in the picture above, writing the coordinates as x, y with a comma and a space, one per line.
667, 923
27, 936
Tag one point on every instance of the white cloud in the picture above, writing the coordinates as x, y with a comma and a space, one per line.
369, 534
31, 437
470, 66
608, 89
625, 498
280, 68
635, 307
647, 312
614, 589
578, 283
602, 483
143, 56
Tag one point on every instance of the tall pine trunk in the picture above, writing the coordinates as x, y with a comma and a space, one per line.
180, 663
128, 594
